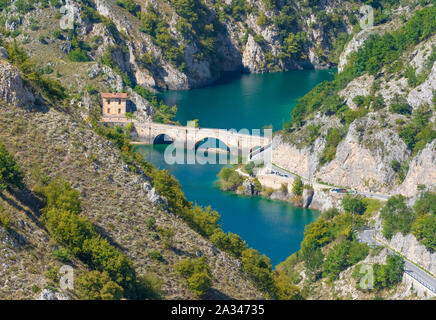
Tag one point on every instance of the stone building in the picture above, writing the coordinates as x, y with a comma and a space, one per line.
114, 105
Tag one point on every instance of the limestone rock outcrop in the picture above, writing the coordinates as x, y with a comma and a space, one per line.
422, 171
307, 197
13, 90
363, 159
248, 188
253, 55
424, 93
358, 87
410, 247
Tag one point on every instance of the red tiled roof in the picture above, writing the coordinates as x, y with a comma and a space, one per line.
108, 95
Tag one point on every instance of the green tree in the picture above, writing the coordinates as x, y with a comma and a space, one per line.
342, 256
249, 168
313, 259
60, 195
399, 105
353, 204
426, 204
231, 243
167, 237
333, 138
78, 55
297, 187
230, 180
5, 221
396, 165
149, 20
199, 283
386, 276
102, 256
262, 20
197, 274
259, 268
68, 228
23, 6
316, 234
10, 172
397, 217
96, 285
4, 4
284, 289
129, 5
424, 228
329, 214
292, 46
336, 261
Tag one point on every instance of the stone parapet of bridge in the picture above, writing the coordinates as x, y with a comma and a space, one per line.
191, 137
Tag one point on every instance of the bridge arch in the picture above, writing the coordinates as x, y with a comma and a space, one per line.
212, 142
163, 138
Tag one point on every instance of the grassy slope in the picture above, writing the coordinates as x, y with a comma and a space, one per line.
52, 144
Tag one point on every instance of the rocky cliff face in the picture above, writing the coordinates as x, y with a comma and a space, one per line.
398, 15
424, 93
410, 247
363, 159
373, 144
358, 41
12, 88
252, 37
253, 56
422, 171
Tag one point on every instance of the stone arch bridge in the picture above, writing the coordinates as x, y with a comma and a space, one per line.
191, 137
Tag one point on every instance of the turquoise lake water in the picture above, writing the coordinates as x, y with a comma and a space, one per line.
274, 228
249, 101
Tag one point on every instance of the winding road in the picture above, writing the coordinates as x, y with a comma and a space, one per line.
417, 273
366, 236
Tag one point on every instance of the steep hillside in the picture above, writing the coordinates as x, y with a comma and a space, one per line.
55, 143
176, 44
372, 128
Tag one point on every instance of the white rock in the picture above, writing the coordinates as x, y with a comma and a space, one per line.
12, 88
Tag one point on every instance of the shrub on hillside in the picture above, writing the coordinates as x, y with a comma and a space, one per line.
297, 187
230, 180
68, 228
353, 204
397, 217
96, 285
10, 172
342, 256
60, 195
197, 274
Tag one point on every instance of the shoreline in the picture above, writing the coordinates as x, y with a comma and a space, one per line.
278, 188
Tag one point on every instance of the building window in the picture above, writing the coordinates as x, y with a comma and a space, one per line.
119, 110
109, 101
108, 110
119, 101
